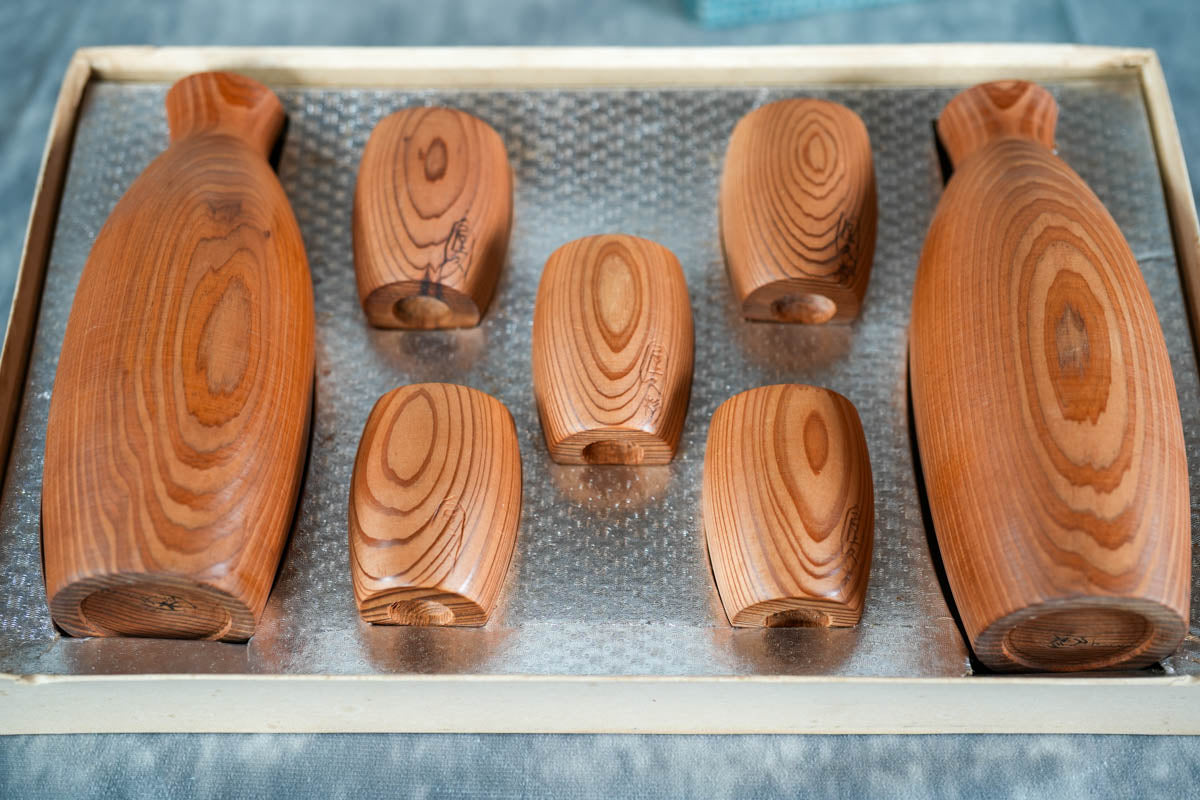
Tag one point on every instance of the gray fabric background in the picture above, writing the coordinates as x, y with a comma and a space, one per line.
36, 41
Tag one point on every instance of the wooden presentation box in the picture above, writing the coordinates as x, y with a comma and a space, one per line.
609, 620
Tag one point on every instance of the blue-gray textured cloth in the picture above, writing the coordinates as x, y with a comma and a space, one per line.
723, 13
37, 39
471, 766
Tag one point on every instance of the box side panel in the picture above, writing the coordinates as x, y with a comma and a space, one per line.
435, 705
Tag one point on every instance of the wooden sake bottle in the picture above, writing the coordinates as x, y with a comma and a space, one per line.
179, 419
432, 215
612, 351
789, 507
434, 505
798, 212
1045, 408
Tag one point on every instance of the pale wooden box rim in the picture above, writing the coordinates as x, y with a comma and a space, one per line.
618, 704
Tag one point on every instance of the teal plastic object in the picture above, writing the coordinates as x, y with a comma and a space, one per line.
725, 13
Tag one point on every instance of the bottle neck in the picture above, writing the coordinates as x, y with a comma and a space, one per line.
226, 103
978, 116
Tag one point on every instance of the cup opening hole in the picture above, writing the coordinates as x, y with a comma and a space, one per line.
421, 611
810, 309
613, 451
420, 311
799, 618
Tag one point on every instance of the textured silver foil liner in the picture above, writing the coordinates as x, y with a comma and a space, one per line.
610, 576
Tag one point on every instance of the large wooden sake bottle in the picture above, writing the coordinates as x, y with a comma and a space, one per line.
1045, 408
179, 418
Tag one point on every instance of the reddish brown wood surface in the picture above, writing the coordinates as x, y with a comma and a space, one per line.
612, 351
179, 418
1045, 406
798, 212
434, 505
432, 214
789, 507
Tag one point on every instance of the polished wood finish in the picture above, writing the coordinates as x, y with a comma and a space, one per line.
1045, 406
434, 505
432, 215
179, 420
789, 507
612, 351
836, 704
798, 212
